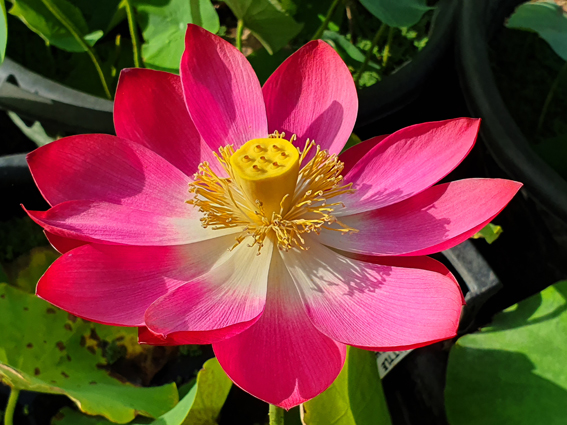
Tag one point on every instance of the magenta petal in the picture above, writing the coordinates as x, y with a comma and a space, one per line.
436, 219
312, 95
62, 244
100, 167
354, 154
93, 221
222, 93
408, 162
146, 336
373, 305
282, 359
150, 109
115, 284
233, 291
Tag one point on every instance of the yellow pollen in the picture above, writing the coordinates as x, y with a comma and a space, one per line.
281, 202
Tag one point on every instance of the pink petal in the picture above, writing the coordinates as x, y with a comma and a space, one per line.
93, 221
282, 359
62, 244
438, 218
355, 153
222, 93
149, 109
373, 305
146, 336
233, 291
408, 162
115, 284
421, 262
100, 167
312, 95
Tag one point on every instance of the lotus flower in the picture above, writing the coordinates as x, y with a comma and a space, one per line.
223, 214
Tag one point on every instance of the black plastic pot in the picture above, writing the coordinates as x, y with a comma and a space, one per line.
402, 87
479, 19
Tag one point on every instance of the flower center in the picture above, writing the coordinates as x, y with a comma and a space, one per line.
267, 170
268, 194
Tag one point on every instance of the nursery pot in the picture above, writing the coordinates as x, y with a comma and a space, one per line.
404, 85
479, 19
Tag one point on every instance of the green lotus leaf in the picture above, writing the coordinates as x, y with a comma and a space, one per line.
46, 350
397, 13
355, 398
513, 372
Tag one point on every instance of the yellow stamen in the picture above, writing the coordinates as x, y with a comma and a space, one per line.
281, 198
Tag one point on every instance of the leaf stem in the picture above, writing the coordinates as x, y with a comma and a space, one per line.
325, 23
550, 95
133, 33
11, 407
239, 31
388, 46
369, 53
276, 415
75, 33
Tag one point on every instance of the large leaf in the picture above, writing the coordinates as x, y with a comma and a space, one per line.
546, 18
397, 13
267, 21
355, 398
3, 30
44, 349
513, 372
201, 405
164, 24
50, 27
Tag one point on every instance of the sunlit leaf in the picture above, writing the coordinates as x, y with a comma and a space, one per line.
44, 349
200, 406
267, 21
546, 18
3, 30
355, 398
397, 13
164, 25
42, 21
513, 372
35, 132
490, 233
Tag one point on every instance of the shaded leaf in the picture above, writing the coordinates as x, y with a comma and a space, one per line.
3, 30
39, 19
200, 406
355, 398
348, 51
35, 132
26, 270
547, 19
490, 233
164, 23
397, 13
265, 64
44, 349
513, 372
267, 21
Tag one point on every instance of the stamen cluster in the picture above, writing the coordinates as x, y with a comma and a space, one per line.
225, 205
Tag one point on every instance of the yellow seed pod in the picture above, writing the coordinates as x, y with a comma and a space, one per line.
265, 174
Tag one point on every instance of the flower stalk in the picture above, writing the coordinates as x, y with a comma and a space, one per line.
133, 33
369, 53
239, 31
11, 407
325, 23
276, 415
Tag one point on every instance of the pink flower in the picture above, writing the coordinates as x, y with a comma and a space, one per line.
335, 262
